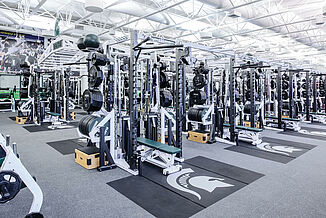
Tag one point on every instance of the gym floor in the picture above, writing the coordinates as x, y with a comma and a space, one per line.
295, 189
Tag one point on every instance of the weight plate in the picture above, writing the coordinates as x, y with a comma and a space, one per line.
95, 77
166, 98
197, 97
164, 80
10, 184
199, 81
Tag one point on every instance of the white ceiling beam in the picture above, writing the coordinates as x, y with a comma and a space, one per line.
147, 15
206, 16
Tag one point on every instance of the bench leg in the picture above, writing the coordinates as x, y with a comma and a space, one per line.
165, 161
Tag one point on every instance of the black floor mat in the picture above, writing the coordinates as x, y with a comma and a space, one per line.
201, 183
293, 133
154, 198
227, 170
12, 118
82, 113
284, 151
317, 124
288, 143
45, 127
313, 129
68, 146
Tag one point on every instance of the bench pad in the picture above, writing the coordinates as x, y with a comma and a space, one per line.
53, 114
159, 146
249, 128
283, 118
244, 128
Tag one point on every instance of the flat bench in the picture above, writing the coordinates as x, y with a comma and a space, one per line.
159, 146
317, 113
244, 128
283, 118
313, 113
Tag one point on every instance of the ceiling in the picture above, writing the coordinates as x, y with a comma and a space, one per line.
280, 32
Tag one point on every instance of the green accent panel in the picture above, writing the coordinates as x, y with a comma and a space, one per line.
17, 95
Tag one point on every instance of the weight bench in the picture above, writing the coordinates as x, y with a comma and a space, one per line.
292, 123
159, 154
54, 119
283, 118
248, 134
320, 117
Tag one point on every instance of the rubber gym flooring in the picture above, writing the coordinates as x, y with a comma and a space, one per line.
294, 189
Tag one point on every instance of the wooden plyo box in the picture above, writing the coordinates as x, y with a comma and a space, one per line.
88, 157
21, 120
198, 136
247, 124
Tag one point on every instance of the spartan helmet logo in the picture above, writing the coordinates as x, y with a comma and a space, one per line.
182, 179
286, 150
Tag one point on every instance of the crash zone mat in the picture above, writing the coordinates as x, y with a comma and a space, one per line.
201, 183
45, 127
68, 146
313, 133
273, 149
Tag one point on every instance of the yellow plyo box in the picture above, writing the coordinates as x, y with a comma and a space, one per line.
88, 157
198, 136
21, 120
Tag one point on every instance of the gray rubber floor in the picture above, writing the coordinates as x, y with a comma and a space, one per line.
296, 189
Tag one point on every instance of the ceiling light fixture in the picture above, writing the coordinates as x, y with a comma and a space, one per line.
94, 6
319, 21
